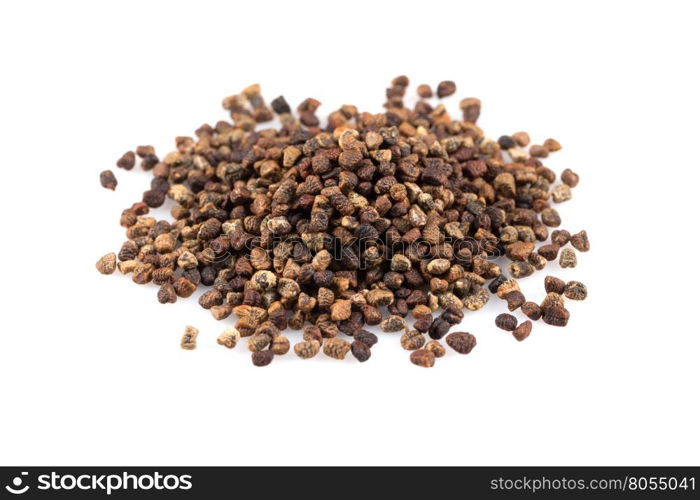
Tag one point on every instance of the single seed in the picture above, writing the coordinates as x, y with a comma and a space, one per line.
553, 284
462, 342
523, 331
229, 338
262, 358
336, 348
515, 299
423, 357
360, 350
107, 263
446, 88
567, 258
280, 345
575, 290
307, 349
412, 340
506, 322
531, 310
424, 91
436, 348
393, 323
108, 180
580, 241
189, 338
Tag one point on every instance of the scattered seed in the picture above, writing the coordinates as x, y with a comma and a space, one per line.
107, 264
506, 322
575, 290
107, 180
189, 338
462, 342
423, 357
523, 331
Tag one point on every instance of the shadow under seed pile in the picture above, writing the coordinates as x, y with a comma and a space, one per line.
365, 221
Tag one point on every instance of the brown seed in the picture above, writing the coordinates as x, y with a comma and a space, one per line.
520, 269
506, 287
360, 350
107, 263
280, 345
436, 348
552, 145
423, 357
166, 294
446, 88
553, 284
127, 160
462, 342
560, 237
531, 310
550, 217
580, 241
522, 139
307, 349
336, 348
229, 338
341, 310
393, 323
189, 338
258, 342
569, 177
549, 252
567, 258
412, 340
515, 299
107, 180
561, 193
556, 316
506, 322
519, 250
537, 151
262, 358
575, 290
552, 300
523, 331
367, 338
471, 109
424, 91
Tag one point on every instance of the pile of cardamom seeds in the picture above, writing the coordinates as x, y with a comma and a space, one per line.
396, 219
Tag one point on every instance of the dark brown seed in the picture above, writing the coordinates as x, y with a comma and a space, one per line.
423, 357
553, 284
166, 294
107, 180
280, 106
580, 241
531, 310
523, 331
560, 237
360, 350
446, 88
127, 161
262, 358
549, 252
556, 316
367, 338
515, 299
462, 342
506, 322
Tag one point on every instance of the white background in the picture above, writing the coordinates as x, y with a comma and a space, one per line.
90, 366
